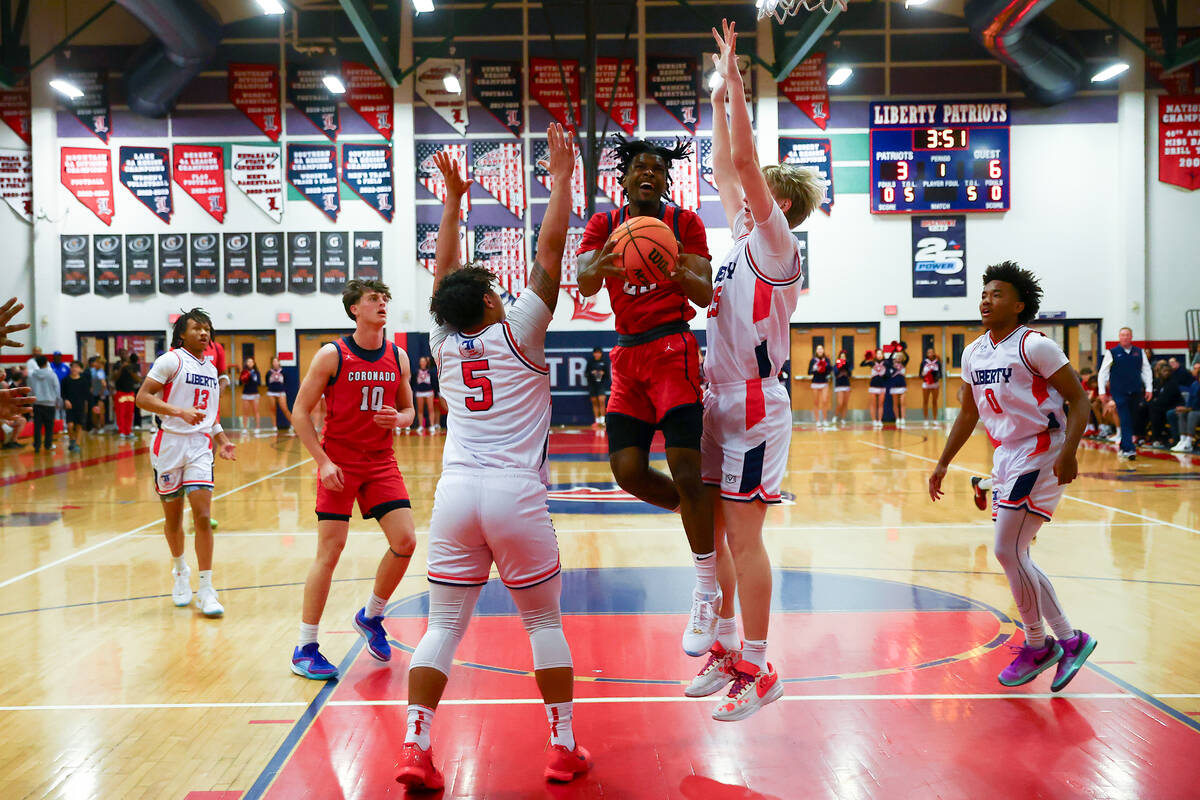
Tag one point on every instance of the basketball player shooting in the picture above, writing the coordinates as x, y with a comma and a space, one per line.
747, 412
656, 364
490, 504
1017, 381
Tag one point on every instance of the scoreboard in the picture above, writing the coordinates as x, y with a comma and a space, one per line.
943, 156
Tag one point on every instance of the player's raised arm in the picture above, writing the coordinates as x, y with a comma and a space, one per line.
322, 369
446, 257
726, 177
741, 138
545, 276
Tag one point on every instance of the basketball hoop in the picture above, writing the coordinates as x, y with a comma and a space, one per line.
782, 9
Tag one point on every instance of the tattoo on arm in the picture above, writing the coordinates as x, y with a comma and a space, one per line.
545, 285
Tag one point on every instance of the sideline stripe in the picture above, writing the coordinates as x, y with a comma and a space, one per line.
140, 528
62, 469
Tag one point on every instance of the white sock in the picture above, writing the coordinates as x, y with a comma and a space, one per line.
420, 720
601, 420
727, 633
308, 634
755, 651
706, 572
1061, 627
375, 606
180, 564
1035, 635
985, 485
559, 715
206, 579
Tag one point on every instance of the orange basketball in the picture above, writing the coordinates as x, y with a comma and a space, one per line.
646, 249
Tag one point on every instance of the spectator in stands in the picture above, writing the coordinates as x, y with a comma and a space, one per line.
76, 392
1186, 416
931, 386
125, 386
1125, 377
599, 381
31, 364
13, 400
99, 393
47, 399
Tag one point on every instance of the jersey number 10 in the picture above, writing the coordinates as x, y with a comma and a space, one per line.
372, 398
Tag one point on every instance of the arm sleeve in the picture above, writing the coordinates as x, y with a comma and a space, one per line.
164, 368
774, 248
594, 234
695, 238
1105, 369
1044, 355
528, 320
1147, 375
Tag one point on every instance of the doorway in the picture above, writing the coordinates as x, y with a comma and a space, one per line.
240, 345
856, 338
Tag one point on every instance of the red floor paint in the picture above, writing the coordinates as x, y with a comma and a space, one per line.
70, 466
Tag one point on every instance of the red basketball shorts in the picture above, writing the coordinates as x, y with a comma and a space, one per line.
377, 485
650, 379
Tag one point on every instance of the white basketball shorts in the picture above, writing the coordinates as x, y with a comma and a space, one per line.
181, 460
747, 432
1023, 475
485, 516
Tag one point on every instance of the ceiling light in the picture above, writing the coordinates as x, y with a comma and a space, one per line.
422, 6
451, 83
270, 6
911, 3
66, 88
1111, 71
334, 84
840, 76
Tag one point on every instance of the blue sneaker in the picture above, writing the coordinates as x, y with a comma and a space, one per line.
307, 662
371, 629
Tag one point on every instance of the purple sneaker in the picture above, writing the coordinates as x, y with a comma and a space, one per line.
1030, 662
1075, 651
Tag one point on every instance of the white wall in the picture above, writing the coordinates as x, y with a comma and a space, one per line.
1173, 245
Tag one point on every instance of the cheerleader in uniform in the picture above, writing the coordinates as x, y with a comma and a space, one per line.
931, 386
841, 385
425, 393
877, 386
898, 381
819, 369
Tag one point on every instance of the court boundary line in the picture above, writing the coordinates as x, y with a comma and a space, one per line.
138, 529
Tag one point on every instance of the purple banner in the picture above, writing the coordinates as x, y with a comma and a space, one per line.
146, 172
313, 170
367, 169
813, 153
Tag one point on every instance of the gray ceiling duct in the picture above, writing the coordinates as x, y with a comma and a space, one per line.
186, 39
1034, 46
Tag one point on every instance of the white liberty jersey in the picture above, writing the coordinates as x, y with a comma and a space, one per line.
188, 382
497, 390
754, 294
1009, 381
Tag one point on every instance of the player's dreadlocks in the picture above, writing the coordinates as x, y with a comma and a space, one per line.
197, 315
1024, 281
626, 150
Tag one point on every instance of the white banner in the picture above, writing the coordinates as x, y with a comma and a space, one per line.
450, 106
258, 172
15, 185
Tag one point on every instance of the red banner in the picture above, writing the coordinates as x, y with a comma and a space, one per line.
14, 110
806, 87
254, 90
369, 95
624, 109
1179, 141
200, 171
546, 87
87, 174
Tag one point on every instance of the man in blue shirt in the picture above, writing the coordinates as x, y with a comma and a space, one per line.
1125, 377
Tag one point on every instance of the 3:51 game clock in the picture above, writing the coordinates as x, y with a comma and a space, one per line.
944, 156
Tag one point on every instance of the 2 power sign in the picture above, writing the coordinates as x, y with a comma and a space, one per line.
939, 256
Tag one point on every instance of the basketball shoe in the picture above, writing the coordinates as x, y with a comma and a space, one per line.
1030, 662
416, 769
206, 601
701, 631
307, 662
980, 493
752, 689
372, 632
1075, 651
717, 672
564, 765
181, 593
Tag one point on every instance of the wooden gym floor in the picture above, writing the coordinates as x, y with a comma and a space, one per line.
891, 622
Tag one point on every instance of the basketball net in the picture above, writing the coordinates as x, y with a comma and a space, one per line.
782, 9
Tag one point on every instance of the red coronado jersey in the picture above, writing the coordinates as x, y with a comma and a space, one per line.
215, 353
365, 381
640, 308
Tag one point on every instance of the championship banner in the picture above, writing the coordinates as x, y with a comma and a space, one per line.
541, 155
16, 185
14, 110
585, 307
367, 169
450, 106
673, 83
302, 263
546, 81
500, 169
706, 68
608, 177
497, 87
172, 263
107, 266
501, 251
685, 177
206, 263
313, 170
146, 172
239, 271
816, 154
76, 264
87, 174
368, 255
306, 91
1179, 141
200, 171
139, 264
268, 262
254, 90
807, 89
706, 160
369, 95
939, 256
427, 233
335, 262
429, 176
1181, 81
258, 172
624, 109
91, 109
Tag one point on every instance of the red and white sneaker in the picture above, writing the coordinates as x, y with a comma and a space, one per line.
564, 765
416, 769
751, 690
717, 672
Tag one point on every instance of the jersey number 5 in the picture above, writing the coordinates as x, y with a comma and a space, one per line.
473, 380
990, 396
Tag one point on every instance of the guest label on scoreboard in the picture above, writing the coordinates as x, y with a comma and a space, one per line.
946, 156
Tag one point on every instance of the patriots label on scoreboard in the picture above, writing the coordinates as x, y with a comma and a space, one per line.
945, 156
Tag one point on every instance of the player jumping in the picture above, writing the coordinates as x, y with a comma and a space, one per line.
1017, 380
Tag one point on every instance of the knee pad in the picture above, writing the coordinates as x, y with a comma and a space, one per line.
436, 649
683, 426
550, 649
